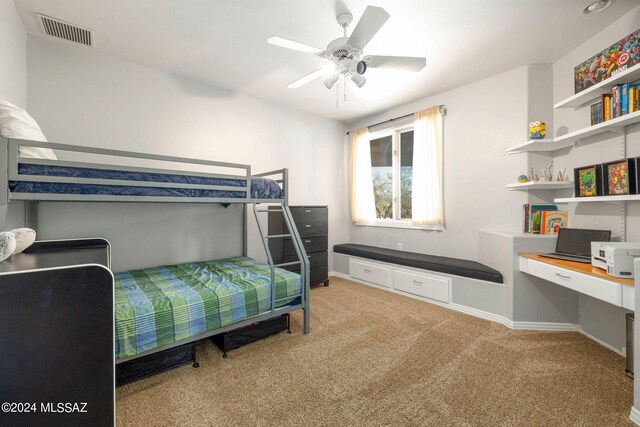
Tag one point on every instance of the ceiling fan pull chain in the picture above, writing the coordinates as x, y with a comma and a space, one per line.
344, 80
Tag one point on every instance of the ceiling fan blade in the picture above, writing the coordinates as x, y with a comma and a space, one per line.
371, 21
405, 63
306, 79
290, 44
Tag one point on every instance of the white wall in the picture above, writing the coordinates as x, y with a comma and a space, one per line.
81, 97
13, 78
483, 120
13, 66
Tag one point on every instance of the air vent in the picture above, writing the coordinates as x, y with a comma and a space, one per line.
64, 30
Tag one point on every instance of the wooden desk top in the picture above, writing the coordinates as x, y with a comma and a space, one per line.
578, 267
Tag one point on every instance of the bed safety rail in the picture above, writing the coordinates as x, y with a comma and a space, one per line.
241, 174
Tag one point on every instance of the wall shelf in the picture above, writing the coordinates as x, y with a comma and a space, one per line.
613, 125
606, 199
540, 146
578, 100
540, 185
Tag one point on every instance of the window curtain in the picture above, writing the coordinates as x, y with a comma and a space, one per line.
426, 196
362, 204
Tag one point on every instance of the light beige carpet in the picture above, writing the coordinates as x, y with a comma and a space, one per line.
376, 358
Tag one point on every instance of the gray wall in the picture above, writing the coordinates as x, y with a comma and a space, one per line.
13, 45
483, 120
81, 97
597, 318
13, 77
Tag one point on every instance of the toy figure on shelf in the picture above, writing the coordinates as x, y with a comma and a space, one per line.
523, 178
537, 130
532, 176
547, 175
561, 175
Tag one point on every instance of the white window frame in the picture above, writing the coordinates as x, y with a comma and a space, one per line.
395, 132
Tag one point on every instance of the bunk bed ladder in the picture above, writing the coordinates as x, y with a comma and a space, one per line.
303, 261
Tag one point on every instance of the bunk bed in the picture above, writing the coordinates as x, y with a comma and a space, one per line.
168, 306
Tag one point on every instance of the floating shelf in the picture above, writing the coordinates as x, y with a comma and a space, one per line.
612, 125
579, 99
540, 185
627, 198
540, 145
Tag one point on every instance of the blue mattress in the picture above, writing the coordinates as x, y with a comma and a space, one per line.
261, 188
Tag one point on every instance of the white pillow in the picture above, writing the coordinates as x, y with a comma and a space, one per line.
7, 244
16, 123
24, 238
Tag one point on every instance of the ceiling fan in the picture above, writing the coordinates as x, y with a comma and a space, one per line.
344, 55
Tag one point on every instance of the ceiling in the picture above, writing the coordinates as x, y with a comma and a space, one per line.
222, 42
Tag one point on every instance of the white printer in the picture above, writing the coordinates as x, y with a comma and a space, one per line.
615, 257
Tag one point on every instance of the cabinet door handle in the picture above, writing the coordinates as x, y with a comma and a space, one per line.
307, 241
366, 270
562, 276
307, 226
417, 282
307, 211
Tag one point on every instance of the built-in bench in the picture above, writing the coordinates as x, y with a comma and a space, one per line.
454, 266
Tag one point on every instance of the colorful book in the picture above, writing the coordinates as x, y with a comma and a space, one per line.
624, 99
615, 98
552, 221
535, 216
525, 214
606, 107
632, 101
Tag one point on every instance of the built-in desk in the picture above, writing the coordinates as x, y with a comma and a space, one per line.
580, 277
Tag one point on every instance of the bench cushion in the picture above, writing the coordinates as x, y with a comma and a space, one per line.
442, 264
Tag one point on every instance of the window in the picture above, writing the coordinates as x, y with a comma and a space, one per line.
395, 175
391, 174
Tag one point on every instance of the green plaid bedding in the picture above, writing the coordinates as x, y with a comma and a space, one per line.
161, 305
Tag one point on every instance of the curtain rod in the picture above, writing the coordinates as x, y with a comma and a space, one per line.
443, 111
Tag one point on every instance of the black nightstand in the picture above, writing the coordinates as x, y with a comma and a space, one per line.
312, 223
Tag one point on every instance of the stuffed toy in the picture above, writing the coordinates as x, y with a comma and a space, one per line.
7, 244
15, 241
24, 238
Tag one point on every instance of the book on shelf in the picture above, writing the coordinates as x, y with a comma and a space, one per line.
532, 216
596, 113
623, 99
552, 221
606, 107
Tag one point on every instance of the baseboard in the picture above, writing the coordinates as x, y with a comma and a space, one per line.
545, 326
622, 352
517, 325
635, 416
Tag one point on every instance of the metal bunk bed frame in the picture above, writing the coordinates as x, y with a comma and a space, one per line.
9, 149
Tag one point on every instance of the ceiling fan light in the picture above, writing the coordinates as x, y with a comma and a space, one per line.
358, 80
329, 68
330, 81
361, 68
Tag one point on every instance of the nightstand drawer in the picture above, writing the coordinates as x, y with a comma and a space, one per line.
317, 274
311, 244
308, 229
316, 259
305, 215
